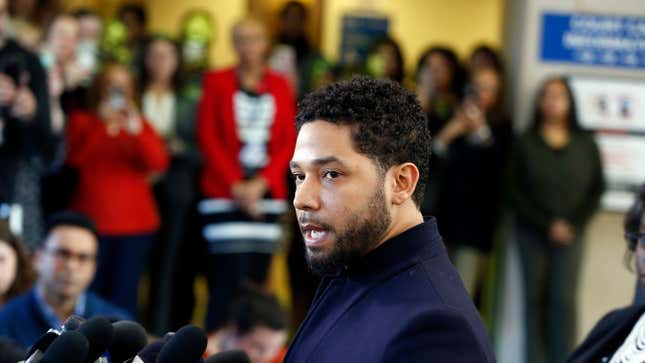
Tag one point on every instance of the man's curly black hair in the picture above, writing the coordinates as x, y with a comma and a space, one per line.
389, 124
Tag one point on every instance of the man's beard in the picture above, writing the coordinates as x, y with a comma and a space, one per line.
363, 232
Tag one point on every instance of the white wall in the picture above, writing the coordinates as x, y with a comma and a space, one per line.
605, 283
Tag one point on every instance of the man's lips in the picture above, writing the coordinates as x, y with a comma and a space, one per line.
314, 234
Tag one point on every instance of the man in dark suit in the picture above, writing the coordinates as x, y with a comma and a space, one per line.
389, 292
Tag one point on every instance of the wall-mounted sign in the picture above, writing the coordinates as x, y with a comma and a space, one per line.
593, 40
615, 110
358, 33
610, 104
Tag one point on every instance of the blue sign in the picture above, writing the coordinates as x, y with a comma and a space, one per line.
358, 34
594, 40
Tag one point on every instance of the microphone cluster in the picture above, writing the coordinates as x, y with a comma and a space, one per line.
98, 340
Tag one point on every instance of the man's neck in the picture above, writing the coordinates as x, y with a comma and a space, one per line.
62, 306
406, 218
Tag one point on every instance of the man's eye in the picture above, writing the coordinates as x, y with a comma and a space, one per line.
298, 177
331, 174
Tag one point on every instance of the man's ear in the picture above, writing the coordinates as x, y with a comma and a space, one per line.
404, 182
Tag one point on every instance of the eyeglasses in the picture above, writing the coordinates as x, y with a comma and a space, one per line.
636, 238
63, 254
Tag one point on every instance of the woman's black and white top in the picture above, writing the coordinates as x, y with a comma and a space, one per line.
633, 349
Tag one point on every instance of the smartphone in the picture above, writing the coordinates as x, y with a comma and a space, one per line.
470, 92
86, 56
47, 59
116, 98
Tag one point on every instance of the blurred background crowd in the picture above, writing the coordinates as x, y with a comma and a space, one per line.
142, 178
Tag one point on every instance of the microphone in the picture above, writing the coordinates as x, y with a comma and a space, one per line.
149, 353
230, 356
10, 351
99, 333
69, 347
72, 323
36, 351
167, 336
186, 346
129, 338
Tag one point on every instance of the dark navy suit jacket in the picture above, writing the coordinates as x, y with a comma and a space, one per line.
402, 302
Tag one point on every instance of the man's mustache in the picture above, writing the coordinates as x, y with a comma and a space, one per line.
303, 220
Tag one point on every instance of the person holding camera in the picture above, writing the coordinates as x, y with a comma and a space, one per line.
26, 140
116, 153
472, 151
67, 77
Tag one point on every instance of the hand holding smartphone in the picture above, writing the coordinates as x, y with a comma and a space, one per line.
120, 113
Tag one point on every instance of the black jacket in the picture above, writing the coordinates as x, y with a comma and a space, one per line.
607, 336
471, 178
23, 139
402, 302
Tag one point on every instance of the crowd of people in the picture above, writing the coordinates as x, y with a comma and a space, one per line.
122, 153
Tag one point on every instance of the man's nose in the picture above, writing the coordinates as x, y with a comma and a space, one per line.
307, 195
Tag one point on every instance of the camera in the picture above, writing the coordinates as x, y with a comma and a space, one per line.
116, 98
13, 66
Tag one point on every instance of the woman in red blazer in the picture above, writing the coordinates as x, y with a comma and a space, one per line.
246, 133
116, 152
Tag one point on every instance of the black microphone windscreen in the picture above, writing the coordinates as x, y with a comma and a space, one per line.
10, 351
99, 333
72, 323
186, 346
69, 347
230, 356
150, 352
113, 319
42, 343
129, 339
